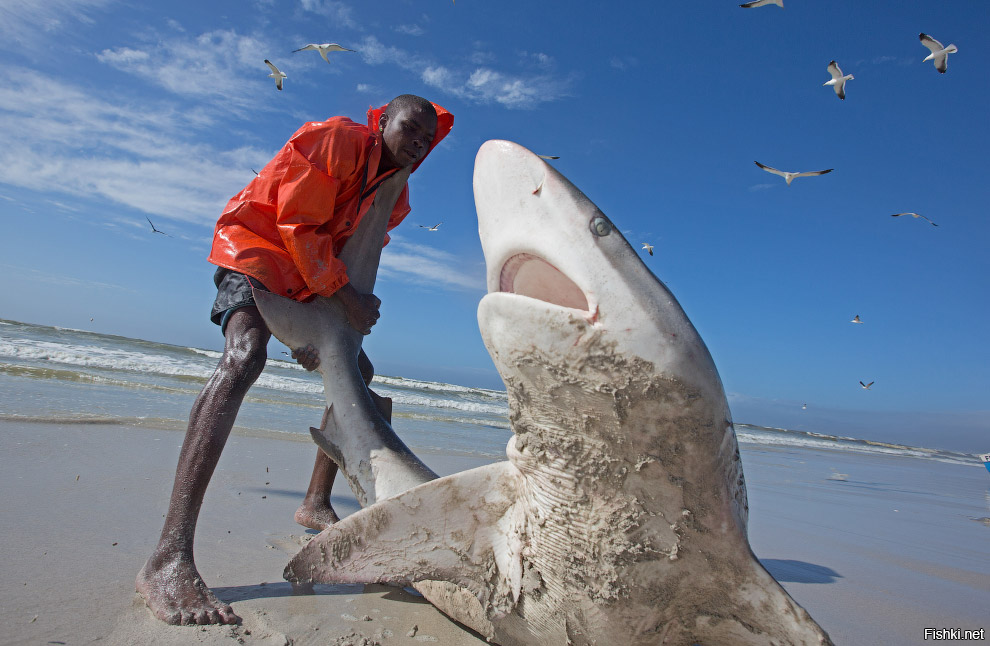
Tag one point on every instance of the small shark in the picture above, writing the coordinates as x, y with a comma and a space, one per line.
372, 456
620, 515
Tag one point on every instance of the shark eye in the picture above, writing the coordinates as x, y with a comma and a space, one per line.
600, 226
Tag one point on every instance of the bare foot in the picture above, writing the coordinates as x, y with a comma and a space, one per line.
316, 514
177, 595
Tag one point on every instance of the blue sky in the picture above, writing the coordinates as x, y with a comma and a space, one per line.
111, 112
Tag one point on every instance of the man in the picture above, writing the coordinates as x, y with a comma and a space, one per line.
282, 233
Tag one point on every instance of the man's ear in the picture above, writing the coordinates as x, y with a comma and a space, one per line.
382, 121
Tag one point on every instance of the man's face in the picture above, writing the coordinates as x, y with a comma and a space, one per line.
407, 136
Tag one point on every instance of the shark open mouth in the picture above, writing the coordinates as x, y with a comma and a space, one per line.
532, 276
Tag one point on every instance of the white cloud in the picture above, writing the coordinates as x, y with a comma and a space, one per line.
897, 60
123, 57
425, 265
479, 57
339, 12
485, 85
376, 53
539, 59
411, 30
36, 275
56, 138
23, 22
222, 66
623, 62
368, 89
478, 84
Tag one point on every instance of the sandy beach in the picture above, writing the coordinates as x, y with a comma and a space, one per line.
877, 549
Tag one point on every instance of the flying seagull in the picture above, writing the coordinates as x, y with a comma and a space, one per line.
788, 176
549, 156
939, 54
154, 230
433, 228
323, 49
913, 215
838, 81
648, 247
856, 319
804, 407
276, 74
762, 3
866, 386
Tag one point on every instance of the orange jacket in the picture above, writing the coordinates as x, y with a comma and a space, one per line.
287, 227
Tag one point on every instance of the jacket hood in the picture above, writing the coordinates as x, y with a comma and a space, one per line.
445, 121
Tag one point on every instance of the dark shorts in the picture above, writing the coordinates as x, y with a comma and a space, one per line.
233, 292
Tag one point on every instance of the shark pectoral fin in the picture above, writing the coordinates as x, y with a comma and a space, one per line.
444, 530
321, 435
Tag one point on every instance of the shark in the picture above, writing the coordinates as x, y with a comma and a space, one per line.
372, 457
620, 515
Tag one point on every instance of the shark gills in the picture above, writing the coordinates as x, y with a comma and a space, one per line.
620, 515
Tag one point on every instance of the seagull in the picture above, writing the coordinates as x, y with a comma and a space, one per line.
549, 156
276, 74
866, 386
838, 81
804, 407
856, 319
154, 229
788, 176
323, 49
939, 54
648, 247
433, 228
762, 3
913, 215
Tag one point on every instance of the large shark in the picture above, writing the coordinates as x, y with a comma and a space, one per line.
620, 516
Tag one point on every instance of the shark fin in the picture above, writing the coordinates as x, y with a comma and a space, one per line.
461, 529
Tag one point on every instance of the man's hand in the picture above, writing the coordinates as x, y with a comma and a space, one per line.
307, 357
361, 309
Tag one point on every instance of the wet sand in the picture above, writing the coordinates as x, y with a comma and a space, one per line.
71, 548
875, 558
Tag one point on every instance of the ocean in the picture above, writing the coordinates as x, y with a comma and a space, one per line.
61, 375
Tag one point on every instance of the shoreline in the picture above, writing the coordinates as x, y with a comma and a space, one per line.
876, 548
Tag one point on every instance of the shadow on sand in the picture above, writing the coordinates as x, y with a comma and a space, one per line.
789, 571
230, 594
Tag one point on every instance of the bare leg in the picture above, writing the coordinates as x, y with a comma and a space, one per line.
169, 581
315, 512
